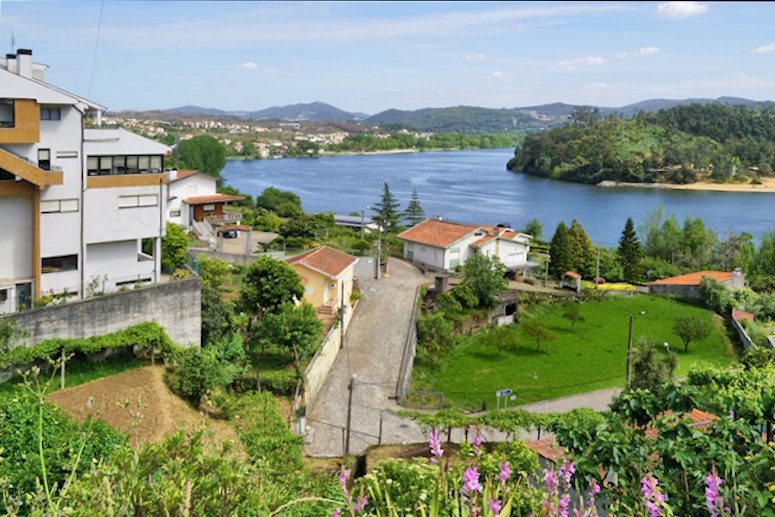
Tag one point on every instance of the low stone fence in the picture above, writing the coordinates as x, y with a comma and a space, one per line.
410, 350
745, 339
176, 306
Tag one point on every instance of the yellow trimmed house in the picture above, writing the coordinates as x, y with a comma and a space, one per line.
327, 276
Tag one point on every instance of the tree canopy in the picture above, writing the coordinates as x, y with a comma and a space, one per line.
267, 284
203, 153
486, 277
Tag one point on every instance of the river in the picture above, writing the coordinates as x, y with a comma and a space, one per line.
473, 186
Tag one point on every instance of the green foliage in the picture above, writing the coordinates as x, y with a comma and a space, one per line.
231, 191
572, 313
465, 295
201, 371
691, 328
386, 214
173, 247
434, 337
414, 214
538, 331
502, 338
10, 336
715, 295
146, 336
271, 198
267, 284
290, 327
559, 249
581, 250
650, 369
486, 277
203, 153
217, 315
215, 273
629, 253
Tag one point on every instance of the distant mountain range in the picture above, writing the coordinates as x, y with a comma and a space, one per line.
463, 119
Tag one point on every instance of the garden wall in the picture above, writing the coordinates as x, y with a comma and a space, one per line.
176, 306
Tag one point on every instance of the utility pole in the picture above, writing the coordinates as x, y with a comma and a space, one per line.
629, 353
350, 387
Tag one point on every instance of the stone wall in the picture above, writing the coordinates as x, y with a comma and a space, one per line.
176, 306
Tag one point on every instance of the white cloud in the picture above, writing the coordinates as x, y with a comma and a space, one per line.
681, 9
499, 76
248, 66
475, 57
642, 52
575, 64
764, 49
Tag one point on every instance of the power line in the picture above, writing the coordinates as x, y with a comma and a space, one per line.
96, 45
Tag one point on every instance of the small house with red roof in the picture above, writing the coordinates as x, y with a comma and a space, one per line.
689, 285
327, 276
442, 246
192, 196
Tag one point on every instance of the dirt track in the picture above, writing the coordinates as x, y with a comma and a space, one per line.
138, 403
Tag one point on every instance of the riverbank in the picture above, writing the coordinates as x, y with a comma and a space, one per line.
767, 185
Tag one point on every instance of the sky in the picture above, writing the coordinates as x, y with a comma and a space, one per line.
368, 57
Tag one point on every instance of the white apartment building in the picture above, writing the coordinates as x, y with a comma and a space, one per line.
76, 204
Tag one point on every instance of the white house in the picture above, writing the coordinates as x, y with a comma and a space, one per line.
442, 245
192, 196
77, 204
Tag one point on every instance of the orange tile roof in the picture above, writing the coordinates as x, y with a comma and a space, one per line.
694, 278
699, 420
440, 234
214, 198
547, 448
324, 260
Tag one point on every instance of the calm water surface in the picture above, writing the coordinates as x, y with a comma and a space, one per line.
475, 187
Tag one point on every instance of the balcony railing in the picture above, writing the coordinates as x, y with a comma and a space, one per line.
226, 217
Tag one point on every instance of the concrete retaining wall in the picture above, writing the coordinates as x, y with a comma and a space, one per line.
321, 363
176, 306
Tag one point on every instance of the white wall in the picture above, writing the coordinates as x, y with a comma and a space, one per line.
119, 261
105, 221
15, 238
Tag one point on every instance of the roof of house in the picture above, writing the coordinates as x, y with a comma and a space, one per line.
119, 141
742, 315
214, 198
572, 274
506, 234
324, 260
547, 448
694, 278
699, 420
183, 174
440, 234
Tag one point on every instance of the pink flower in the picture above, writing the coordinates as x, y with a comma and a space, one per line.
495, 506
477, 445
504, 472
435, 445
714, 500
652, 495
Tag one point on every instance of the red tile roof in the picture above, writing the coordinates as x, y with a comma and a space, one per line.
547, 448
694, 278
325, 260
741, 315
440, 234
699, 420
214, 198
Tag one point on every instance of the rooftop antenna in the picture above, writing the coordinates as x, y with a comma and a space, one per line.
13, 42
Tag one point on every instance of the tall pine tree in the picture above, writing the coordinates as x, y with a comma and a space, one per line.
582, 251
386, 213
559, 250
414, 214
629, 253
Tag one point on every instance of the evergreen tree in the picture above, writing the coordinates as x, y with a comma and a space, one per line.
559, 250
582, 251
386, 213
414, 214
629, 253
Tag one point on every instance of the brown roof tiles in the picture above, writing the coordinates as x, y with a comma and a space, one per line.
440, 234
694, 278
324, 260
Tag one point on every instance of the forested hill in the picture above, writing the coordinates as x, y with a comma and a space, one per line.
684, 144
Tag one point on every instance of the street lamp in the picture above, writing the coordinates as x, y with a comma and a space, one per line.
363, 212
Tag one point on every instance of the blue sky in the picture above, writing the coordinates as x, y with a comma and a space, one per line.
372, 56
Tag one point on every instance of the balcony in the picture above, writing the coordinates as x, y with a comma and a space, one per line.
226, 217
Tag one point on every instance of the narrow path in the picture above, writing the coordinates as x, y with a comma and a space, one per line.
373, 348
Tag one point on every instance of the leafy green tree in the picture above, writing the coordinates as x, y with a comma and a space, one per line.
465, 295
414, 214
534, 228
217, 315
697, 244
735, 251
173, 247
629, 253
502, 338
203, 153
572, 313
271, 198
538, 331
201, 371
582, 251
715, 295
486, 277
231, 191
650, 369
267, 222
690, 327
559, 250
267, 284
297, 329
215, 273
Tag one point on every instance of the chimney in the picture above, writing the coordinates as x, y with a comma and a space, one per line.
24, 62
10, 62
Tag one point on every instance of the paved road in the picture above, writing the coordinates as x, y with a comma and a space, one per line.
373, 348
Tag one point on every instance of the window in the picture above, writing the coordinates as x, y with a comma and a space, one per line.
135, 201
174, 213
141, 164
50, 113
63, 263
3, 295
6, 113
44, 159
58, 205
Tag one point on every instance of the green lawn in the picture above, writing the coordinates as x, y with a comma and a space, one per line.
591, 356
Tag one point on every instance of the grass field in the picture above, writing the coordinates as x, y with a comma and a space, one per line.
591, 356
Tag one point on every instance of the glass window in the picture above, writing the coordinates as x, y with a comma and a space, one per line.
6, 113
144, 163
63, 263
50, 113
93, 165
156, 163
148, 200
44, 159
47, 207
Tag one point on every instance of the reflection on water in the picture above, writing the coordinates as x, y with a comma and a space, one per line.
475, 187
